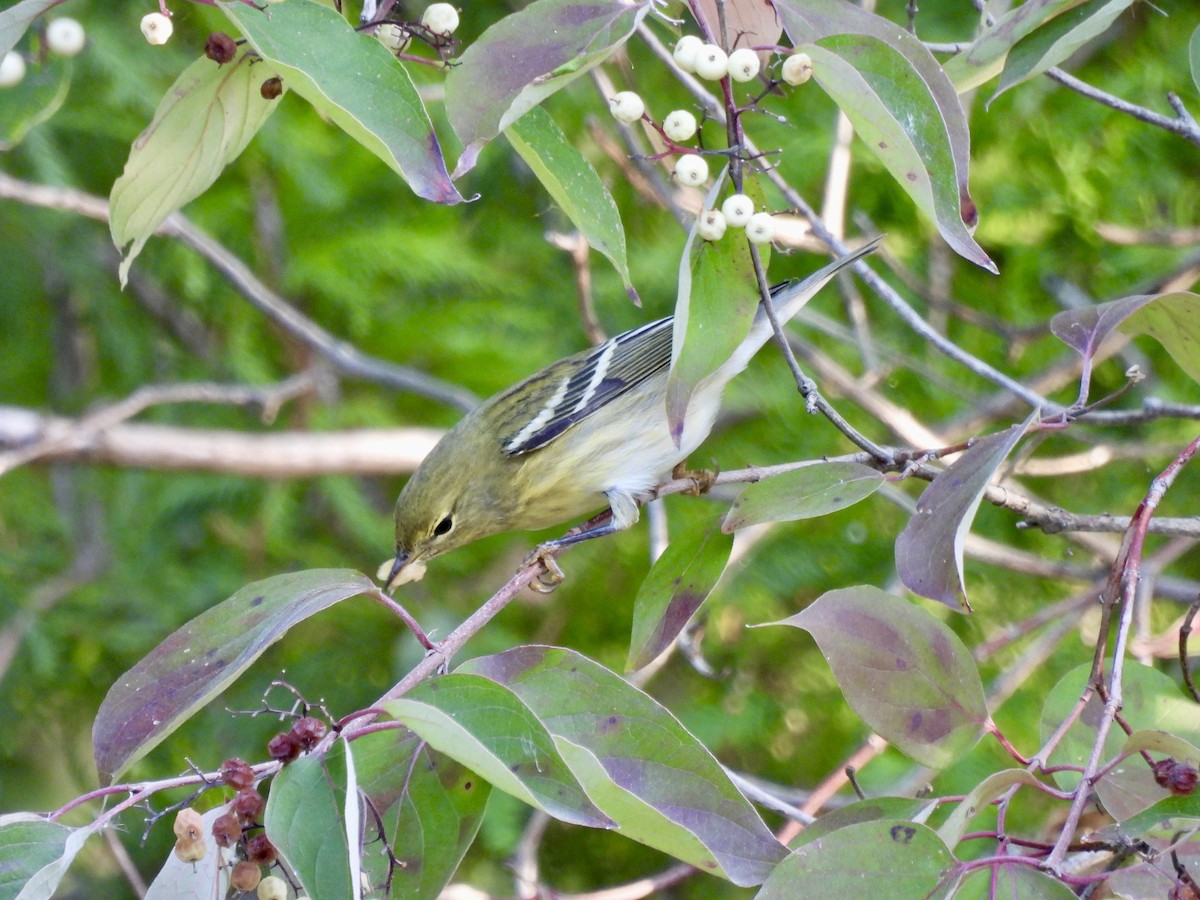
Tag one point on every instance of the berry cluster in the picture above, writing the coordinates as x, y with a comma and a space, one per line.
438, 22
712, 63
63, 37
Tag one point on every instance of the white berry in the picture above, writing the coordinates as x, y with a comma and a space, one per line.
392, 36
738, 209
626, 106
156, 28
761, 228
272, 888
65, 37
711, 225
12, 69
711, 62
797, 68
440, 18
743, 65
679, 125
691, 170
685, 52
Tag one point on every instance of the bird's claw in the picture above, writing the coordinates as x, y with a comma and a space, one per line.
550, 576
702, 479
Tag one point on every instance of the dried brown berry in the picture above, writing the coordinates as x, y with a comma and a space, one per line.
259, 849
271, 88
1178, 778
226, 830
189, 825
237, 774
245, 876
283, 747
220, 47
248, 804
308, 731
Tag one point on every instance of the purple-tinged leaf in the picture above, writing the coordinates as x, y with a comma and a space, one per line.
680, 580
430, 805
1057, 40
984, 58
638, 763
571, 180
715, 306
487, 728
749, 23
910, 809
991, 788
803, 493
15, 20
929, 551
1172, 319
306, 820
526, 57
203, 880
204, 121
889, 858
1151, 701
202, 658
901, 104
356, 81
903, 672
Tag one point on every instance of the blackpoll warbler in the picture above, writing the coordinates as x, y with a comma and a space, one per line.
583, 432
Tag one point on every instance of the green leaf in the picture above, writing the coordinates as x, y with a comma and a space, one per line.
1194, 57
680, 580
901, 104
1057, 40
1171, 814
1150, 702
204, 121
803, 493
573, 183
356, 81
489, 730
1174, 321
34, 855
431, 807
202, 658
888, 858
991, 788
1012, 882
306, 820
984, 58
638, 763
903, 672
913, 810
929, 551
15, 20
714, 310
527, 56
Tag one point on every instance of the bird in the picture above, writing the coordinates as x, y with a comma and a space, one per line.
588, 431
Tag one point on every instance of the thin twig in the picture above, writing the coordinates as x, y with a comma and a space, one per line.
1184, 124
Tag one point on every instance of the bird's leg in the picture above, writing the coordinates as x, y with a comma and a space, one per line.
702, 479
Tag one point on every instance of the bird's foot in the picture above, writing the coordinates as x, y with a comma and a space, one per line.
702, 479
551, 575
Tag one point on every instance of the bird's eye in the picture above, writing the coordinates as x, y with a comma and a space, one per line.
443, 527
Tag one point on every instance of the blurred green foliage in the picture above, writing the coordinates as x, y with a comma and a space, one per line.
476, 296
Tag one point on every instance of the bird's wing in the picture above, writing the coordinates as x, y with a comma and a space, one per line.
568, 391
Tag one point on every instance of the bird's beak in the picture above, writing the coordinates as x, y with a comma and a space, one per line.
401, 570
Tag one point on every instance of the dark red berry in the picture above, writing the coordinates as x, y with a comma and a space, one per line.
283, 747
308, 731
237, 774
271, 88
248, 804
1178, 778
260, 850
226, 830
220, 47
